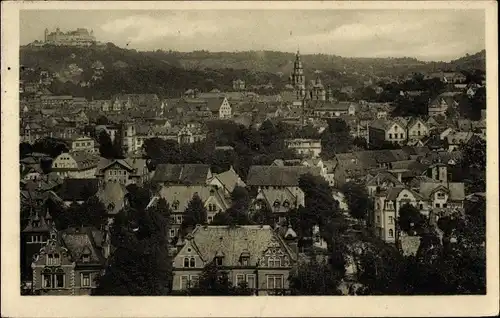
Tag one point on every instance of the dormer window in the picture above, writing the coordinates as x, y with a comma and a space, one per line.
219, 260
286, 204
53, 259
276, 204
175, 205
36, 223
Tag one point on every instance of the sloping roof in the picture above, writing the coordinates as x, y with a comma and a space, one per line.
328, 105
81, 241
214, 103
270, 196
278, 176
194, 174
233, 241
78, 189
383, 177
184, 194
113, 193
230, 179
456, 189
84, 159
392, 193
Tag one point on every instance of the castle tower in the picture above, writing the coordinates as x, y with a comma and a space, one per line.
298, 79
45, 35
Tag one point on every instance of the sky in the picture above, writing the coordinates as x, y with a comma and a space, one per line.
429, 35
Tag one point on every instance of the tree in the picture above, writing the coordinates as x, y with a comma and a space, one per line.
106, 148
24, 149
410, 219
162, 151
50, 146
357, 199
315, 278
195, 214
336, 138
214, 281
140, 264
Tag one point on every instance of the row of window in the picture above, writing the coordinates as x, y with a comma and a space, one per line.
83, 144
273, 281
117, 172
59, 280
401, 136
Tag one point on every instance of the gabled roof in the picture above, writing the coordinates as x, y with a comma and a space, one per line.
112, 195
81, 241
382, 177
277, 175
233, 241
455, 189
280, 196
184, 194
194, 174
330, 106
392, 193
230, 179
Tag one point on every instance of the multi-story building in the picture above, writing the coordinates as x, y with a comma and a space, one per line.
123, 171
386, 130
76, 165
417, 129
304, 147
70, 262
179, 196
253, 254
84, 143
78, 37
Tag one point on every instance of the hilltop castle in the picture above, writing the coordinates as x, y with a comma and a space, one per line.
314, 91
78, 37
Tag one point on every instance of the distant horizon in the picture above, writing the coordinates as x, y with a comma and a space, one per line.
424, 35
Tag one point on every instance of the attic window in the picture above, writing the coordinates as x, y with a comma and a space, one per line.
218, 260
286, 204
111, 206
276, 204
175, 205
85, 258
36, 223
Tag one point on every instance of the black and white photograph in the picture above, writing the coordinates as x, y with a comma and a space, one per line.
264, 153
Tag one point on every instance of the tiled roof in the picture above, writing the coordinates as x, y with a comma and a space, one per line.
270, 196
382, 177
393, 193
194, 174
81, 241
78, 189
113, 194
233, 241
184, 194
278, 176
230, 179
455, 189
333, 106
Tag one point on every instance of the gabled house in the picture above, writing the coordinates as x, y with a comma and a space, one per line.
327, 109
252, 254
70, 262
308, 148
179, 196
279, 202
114, 196
386, 130
123, 171
417, 129
442, 103
227, 181
386, 209
76, 165
439, 195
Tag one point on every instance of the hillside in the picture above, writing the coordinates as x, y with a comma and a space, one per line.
102, 71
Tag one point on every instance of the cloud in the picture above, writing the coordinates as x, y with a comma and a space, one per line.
145, 28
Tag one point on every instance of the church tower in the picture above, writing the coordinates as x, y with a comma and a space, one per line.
298, 79
45, 35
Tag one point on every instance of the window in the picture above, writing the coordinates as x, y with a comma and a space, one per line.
36, 223
274, 262
240, 278
378, 218
210, 219
218, 261
391, 233
175, 205
418, 132
192, 262
421, 206
251, 281
178, 218
440, 195
390, 136
445, 205
47, 280
244, 261
86, 258
401, 136
52, 259
186, 261
194, 280
85, 279
286, 204
274, 281
184, 282
172, 233
276, 204
59, 281
438, 205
